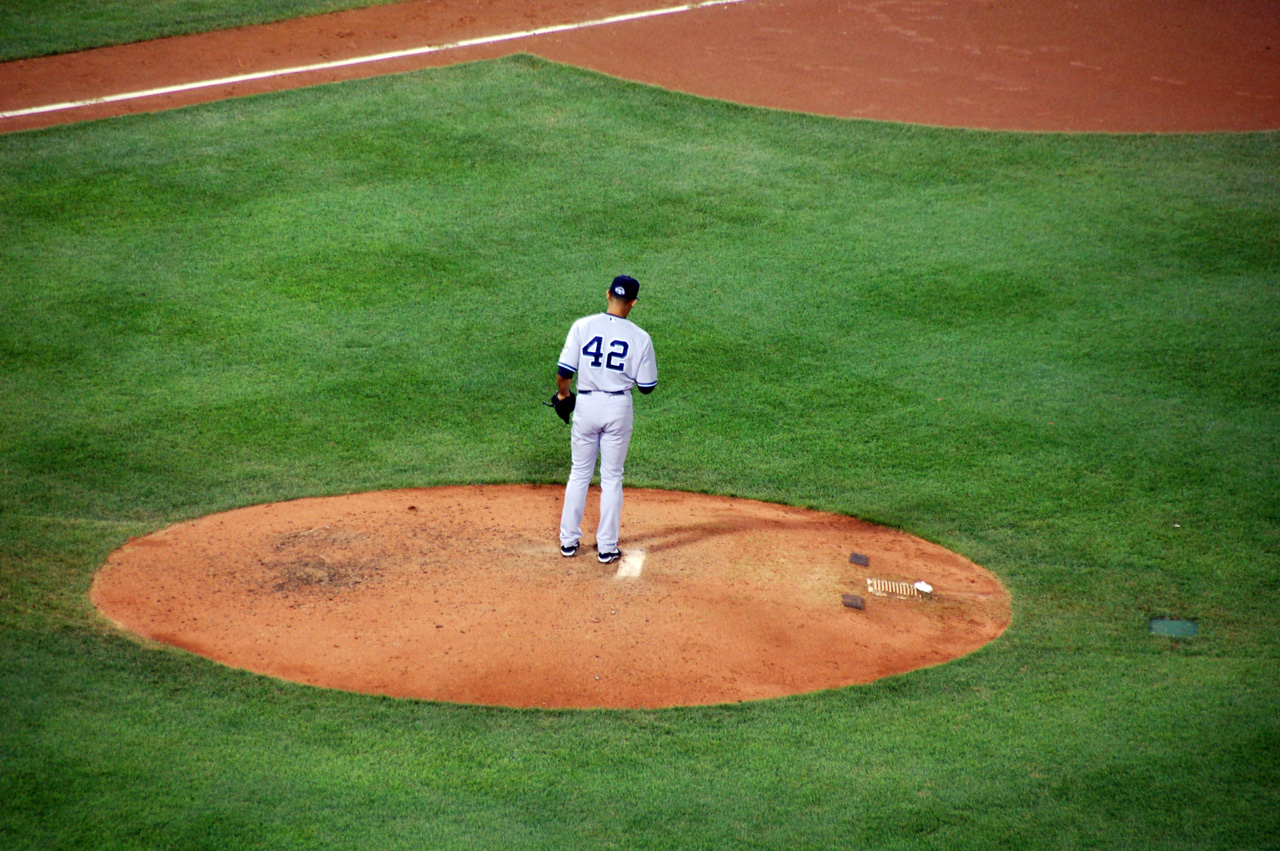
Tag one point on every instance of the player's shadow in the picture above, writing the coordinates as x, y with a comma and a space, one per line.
683, 535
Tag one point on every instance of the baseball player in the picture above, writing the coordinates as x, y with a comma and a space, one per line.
609, 354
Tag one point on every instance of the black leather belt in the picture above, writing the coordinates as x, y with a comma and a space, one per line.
605, 392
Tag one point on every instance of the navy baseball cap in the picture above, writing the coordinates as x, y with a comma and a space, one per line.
625, 287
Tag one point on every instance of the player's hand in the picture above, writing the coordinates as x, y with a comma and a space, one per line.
563, 406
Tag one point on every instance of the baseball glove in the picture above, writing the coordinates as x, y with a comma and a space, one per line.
563, 407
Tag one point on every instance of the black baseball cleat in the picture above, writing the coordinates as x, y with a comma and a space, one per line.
568, 550
609, 557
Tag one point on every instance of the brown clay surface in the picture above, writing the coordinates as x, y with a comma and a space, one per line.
460, 594
1045, 65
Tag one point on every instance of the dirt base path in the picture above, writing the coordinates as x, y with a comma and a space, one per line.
460, 594
1046, 65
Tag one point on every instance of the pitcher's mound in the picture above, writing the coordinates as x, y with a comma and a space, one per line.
460, 594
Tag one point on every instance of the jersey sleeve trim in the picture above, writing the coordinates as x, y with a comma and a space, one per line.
566, 371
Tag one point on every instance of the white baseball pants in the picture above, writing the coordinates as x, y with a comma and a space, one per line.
601, 428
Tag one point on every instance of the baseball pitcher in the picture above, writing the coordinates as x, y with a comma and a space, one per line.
609, 354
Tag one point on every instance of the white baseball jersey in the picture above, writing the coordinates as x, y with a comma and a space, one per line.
609, 354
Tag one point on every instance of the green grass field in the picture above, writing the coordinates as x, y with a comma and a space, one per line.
1057, 355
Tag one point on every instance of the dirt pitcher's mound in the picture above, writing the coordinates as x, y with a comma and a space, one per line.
461, 594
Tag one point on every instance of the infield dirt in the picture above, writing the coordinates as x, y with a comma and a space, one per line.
1041, 65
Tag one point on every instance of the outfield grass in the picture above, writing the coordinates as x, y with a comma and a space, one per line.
1055, 354
31, 28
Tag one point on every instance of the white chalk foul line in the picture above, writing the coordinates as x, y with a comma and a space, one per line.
632, 562
363, 60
